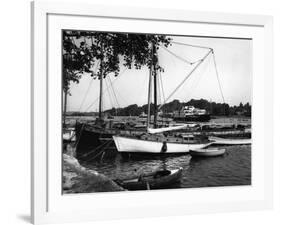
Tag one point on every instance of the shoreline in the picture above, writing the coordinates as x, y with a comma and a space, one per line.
78, 179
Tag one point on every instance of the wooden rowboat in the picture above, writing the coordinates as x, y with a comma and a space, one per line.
226, 141
154, 180
207, 152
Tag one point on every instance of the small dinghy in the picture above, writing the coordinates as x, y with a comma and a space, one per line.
207, 152
155, 180
225, 141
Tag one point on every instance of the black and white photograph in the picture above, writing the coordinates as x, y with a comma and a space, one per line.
141, 112
144, 111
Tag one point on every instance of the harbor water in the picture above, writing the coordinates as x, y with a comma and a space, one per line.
233, 168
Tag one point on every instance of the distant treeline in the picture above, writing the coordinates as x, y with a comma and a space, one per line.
215, 109
72, 113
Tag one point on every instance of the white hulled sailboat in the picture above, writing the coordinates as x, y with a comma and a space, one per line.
162, 145
156, 139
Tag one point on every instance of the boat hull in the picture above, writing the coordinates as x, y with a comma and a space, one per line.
150, 182
207, 152
133, 145
227, 141
89, 140
193, 118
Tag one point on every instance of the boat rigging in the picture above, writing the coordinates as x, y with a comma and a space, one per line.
152, 142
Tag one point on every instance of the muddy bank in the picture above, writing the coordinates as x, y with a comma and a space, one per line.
78, 179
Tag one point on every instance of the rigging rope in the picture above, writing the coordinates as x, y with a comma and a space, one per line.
88, 89
109, 94
101, 152
158, 91
161, 91
177, 56
118, 77
140, 92
191, 63
194, 46
183, 81
217, 74
196, 82
95, 149
114, 93
161, 85
86, 94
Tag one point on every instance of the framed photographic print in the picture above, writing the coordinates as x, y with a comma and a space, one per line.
148, 112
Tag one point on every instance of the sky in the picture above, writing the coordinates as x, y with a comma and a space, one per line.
234, 64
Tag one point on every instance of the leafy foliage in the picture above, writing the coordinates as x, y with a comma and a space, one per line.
84, 49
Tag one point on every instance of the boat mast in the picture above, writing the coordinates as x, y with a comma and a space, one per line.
101, 84
155, 87
149, 88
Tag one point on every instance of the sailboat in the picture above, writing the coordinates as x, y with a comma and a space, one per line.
156, 140
144, 139
156, 144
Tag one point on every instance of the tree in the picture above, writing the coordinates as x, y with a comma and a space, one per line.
83, 49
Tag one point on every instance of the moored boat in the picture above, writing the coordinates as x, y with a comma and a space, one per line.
151, 143
91, 136
228, 141
208, 152
155, 180
190, 113
157, 146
